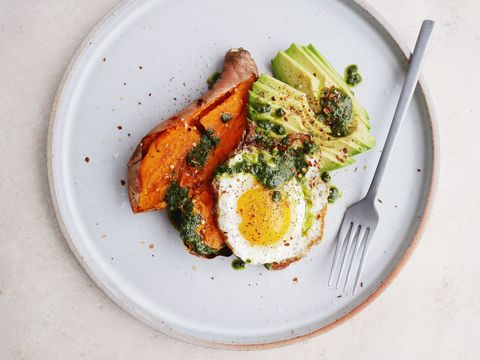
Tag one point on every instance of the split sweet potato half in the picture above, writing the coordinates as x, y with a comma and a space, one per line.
187, 148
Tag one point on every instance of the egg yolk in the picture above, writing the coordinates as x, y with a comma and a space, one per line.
264, 221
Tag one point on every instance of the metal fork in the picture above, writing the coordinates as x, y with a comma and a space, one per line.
361, 218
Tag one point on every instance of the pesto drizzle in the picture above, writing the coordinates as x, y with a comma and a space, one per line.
198, 155
336, 110
182, 214
352, 76
272, 172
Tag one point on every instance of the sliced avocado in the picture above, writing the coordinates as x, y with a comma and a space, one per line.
359, 140
291, 121
291, 72
332, 159
271, 94
308, 59
303, 58
290, 93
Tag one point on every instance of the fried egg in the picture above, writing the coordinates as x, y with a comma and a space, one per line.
262, 227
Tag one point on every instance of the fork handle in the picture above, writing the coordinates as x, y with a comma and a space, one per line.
416, 62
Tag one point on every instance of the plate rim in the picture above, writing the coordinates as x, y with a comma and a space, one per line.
385, 27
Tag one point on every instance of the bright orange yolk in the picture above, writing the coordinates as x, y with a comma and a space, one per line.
264, 221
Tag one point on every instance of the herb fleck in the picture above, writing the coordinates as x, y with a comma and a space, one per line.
263, 108
326, 177
277, 195
238, 264
226, 117
280, 112
333, 195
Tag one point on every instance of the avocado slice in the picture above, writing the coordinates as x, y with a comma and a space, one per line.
288, 70
291, 120
308, 60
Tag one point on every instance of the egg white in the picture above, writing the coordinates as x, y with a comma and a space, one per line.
306, 197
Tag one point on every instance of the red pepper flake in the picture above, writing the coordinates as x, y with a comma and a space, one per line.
87, 159
151, 246
122, 182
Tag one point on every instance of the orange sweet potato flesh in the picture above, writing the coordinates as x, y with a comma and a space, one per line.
229, 133
203, 199
160, 157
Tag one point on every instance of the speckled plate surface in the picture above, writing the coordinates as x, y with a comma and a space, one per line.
143, 63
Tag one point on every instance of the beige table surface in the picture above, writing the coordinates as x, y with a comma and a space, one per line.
50, 309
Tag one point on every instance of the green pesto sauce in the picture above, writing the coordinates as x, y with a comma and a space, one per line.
176, 196
336, 110
212, 79
276, 196
281, 167
352, 76
198, 155
239, 264
280, 112
181, 214
268, 126
226, 117
262, 108
333, 195
326, 177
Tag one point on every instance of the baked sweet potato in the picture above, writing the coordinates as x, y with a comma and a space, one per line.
188, 147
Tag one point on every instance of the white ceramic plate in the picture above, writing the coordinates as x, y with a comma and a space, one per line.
143, 63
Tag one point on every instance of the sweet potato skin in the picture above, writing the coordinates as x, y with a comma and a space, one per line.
238, 68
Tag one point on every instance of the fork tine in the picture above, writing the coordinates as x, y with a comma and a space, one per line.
344, 229
350, 239
359, 240
362, 260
